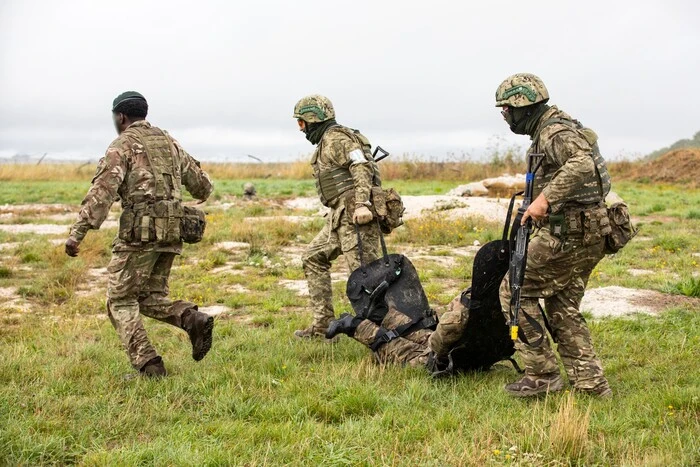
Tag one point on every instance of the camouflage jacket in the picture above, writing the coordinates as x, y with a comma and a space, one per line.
125, 173
342, 147
568, 167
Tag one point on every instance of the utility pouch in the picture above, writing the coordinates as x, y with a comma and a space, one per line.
621, 228
394, 211
144, 232
192, 225
557, 225
127, 221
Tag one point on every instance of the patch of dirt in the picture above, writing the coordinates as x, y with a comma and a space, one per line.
13, 303
232, 246
292, 219
38, 208
214, 310
677, 166
40, 229
47, 229
622, 301
228, 268
299, 286
237, 288
640, 272
492, 209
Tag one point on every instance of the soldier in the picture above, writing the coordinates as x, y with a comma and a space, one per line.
345, 172
570, 221
145, 168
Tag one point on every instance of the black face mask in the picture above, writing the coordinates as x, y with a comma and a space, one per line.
314, 131
523, 120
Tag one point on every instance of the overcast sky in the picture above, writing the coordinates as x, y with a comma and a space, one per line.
416, 77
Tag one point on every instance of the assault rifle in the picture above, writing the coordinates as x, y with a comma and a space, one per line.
384, 155
518, 255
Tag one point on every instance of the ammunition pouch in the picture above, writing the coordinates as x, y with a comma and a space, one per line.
157, 222
192, 225
591, 223
621, 228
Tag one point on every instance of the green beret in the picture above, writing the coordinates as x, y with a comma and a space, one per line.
126, 96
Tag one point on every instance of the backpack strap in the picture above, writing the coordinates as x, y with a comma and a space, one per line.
387, 335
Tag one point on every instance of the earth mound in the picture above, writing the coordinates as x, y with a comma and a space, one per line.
677, 166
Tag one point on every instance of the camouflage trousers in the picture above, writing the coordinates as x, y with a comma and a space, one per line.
138, 284
337, 236
450, 328
411, 349
558, 273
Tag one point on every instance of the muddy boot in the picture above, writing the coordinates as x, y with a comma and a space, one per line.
531, 385
346, 324
314, 332
199, 327
154, 368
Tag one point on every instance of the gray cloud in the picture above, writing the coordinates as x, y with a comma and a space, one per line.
416, 77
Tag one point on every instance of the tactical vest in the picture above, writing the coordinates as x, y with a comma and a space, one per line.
332, 183
590, 192
154, 216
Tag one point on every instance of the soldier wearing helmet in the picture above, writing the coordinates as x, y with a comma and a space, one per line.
570, 219
345, 173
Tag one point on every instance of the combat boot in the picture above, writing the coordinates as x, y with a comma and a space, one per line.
346, 324
532, 385
314, 332
199, 327
602, 391
154, 368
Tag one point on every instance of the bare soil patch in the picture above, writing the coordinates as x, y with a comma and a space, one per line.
622, 301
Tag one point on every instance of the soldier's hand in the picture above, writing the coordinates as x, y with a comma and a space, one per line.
72, 247
537, 209
362, 215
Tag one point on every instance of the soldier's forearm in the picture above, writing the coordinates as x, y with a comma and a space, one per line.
362, 179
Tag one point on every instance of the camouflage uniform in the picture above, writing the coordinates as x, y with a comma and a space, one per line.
340, 150
414, 348
140, 265
559, 264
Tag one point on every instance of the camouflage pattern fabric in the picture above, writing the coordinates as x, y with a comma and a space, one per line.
450, 328
521, 90
139, 271
337, 236
138, 284
558, 267
314, 109
411, 349
338, 149
125, 173
568, 169
558, 272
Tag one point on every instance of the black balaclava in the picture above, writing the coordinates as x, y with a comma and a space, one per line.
523, 120
314, 131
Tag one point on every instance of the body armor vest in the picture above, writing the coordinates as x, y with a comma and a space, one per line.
590, 192
332, 183
153, 213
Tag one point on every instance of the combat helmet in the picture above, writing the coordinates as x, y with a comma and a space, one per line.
521, 90
314, 109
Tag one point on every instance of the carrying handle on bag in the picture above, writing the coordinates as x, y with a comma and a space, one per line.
385, 253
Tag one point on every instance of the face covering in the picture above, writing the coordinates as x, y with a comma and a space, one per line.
523, 120
314, 131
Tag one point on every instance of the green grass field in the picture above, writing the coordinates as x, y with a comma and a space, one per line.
263, 398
